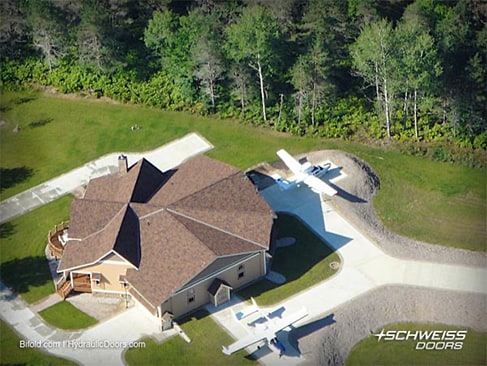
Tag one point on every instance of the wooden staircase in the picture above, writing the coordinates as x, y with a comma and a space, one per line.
64, 289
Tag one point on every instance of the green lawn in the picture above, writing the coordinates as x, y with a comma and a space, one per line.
304, 264
435, 202
207, 339
64, 315
23, 264
430, 201
372, 352
12, 354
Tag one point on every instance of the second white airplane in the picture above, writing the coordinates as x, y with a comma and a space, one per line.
304, 173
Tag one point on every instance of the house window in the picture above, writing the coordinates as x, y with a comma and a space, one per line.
123, 281
241, 271
96, 278
191, 296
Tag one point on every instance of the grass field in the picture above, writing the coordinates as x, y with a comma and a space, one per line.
12, 354
207, 339
23, 264
372, 352
430, 201
66, 316
304, 264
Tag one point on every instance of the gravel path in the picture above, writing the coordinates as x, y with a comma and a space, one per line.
328, 341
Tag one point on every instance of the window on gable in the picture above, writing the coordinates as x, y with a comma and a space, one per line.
241, 271
191, 296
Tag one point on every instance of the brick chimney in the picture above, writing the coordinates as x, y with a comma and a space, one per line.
122, 164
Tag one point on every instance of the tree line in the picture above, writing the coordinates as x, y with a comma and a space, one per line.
370, 69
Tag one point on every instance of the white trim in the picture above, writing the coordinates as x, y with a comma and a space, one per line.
214, 274
216, 228
115, 263
135, 289
109, 291
100, 260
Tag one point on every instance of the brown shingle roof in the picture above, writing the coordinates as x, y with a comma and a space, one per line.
138, 185
191, 177
232, 204
88, 216
170, 256
172, 226
93, 247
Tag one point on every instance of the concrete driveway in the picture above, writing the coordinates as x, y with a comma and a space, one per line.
165, 157
364, 267
102, 344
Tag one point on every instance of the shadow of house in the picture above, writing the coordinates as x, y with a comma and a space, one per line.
24, 273
9, 177
296, 260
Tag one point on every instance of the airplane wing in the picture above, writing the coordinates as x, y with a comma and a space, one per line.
280, 324
247, 311
291, 163
318, 185
245, 342
268, 332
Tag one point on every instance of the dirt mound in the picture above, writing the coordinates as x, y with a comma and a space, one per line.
354, 202
366, 314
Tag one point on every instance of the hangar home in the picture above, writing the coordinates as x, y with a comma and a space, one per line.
173, 240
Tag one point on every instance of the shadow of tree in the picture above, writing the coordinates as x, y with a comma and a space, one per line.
7, 229
4, 108
24, 100
20, 274
9, 177
40, 122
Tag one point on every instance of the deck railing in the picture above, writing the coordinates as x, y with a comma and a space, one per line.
55, 246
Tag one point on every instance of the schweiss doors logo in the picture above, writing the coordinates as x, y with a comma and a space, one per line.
426, 339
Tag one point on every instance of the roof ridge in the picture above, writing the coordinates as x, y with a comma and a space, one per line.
189, 231
215, 228
124, 205
206, 187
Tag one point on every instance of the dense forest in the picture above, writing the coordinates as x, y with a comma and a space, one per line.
374, 70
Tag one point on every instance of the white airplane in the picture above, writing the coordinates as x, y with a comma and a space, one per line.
266, 331
304, 173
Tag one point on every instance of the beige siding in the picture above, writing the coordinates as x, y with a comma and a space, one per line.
179, 304
110, 275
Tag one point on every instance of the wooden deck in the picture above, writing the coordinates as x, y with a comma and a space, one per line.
81, 282
56, 248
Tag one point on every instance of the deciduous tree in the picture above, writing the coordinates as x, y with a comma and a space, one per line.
253, 40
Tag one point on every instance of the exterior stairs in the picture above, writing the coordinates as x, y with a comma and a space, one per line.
64, 289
